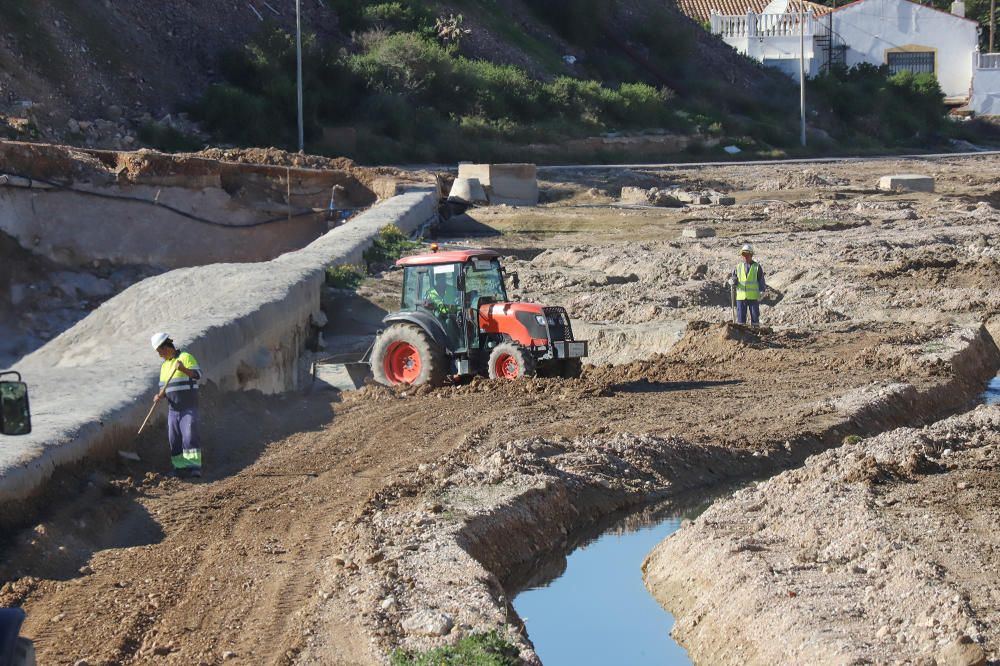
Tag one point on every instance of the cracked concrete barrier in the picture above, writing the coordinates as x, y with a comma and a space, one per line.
246, 324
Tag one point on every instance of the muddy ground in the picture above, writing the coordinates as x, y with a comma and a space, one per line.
334, 528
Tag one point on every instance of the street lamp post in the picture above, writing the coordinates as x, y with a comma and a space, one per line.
802, 76
298, 62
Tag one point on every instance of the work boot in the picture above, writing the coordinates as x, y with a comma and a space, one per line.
176, 474
195, 473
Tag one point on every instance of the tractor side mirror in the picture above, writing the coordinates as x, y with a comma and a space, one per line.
15, 414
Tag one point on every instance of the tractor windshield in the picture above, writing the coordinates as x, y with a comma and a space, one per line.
484, 280
433, 287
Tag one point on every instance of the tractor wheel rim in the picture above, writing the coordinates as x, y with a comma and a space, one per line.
507, 367
402, 363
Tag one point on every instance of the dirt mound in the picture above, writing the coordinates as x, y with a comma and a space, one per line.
881, 551
276, 157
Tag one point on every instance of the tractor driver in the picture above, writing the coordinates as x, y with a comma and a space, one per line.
442, 299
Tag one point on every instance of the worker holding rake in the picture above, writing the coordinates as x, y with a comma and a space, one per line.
179, 377
748, 281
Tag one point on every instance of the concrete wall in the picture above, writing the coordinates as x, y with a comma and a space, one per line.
246, 323
113, 207
986, 92
873, 28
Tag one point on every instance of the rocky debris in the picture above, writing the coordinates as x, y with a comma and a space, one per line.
867, 567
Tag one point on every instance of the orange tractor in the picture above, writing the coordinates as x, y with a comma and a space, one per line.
456, 320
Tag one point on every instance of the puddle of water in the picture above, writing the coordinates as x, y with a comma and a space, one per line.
991, 396
597, 610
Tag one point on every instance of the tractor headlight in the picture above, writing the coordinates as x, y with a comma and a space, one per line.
540, 319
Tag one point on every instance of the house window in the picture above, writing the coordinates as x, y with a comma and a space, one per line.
911, 61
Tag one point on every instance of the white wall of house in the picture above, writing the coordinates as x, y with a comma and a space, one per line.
874, 28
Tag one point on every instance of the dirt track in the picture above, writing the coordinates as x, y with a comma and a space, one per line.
276, 556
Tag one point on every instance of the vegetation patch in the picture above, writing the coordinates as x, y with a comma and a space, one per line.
345, 276
488, 649
389, 245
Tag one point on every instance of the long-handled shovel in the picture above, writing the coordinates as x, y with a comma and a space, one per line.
146, 420
732, 297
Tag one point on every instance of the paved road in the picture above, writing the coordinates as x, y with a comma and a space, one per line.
688, 165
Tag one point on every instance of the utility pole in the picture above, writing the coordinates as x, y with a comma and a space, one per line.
298, 61
993, 22
802, 75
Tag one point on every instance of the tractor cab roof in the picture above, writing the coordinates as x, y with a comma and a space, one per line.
447, 257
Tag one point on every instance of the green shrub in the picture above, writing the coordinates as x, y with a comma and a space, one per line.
344, 276
488, 649
389, 245
866, 100
168, 139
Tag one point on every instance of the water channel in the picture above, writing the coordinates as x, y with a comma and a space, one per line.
992, 394
591, 607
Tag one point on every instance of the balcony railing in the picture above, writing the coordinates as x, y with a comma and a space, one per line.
764, 25
987, 60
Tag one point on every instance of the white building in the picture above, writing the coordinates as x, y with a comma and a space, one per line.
901, 34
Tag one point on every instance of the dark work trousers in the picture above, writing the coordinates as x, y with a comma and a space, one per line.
182, 431
741, 312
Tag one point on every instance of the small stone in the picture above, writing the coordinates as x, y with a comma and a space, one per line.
883, 631
86, 570
389, 603
962, 652
858, 569
428, 623
375, 557
228, 654
962, 485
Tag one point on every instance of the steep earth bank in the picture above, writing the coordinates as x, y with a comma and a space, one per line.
882, 551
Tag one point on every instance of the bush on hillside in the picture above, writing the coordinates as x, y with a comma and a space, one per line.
892, 109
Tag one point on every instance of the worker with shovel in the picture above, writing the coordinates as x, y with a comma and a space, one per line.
747, 281
179, 377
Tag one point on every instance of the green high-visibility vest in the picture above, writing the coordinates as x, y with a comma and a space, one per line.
747, 287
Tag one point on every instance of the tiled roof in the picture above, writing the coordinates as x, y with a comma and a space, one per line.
701, 10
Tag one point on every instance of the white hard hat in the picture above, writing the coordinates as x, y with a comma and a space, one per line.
747, 248
158, 339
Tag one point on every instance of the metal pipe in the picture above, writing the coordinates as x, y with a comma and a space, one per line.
298, 57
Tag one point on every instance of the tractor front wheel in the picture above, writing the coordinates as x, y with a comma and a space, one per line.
405, 354
511, 361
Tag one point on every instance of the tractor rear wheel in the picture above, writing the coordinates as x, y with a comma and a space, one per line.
511, 361
405, 354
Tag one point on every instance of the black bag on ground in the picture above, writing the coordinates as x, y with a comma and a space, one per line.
15, 414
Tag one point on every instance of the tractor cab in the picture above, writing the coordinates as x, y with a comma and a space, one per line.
455, 315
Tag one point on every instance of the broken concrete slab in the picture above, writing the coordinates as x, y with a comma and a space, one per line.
511, 184
906, 183
693, 197
698, 232
246, 323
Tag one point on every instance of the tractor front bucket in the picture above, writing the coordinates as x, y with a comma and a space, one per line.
341, 376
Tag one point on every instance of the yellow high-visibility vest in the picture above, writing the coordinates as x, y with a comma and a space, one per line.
180, 381
747, 287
